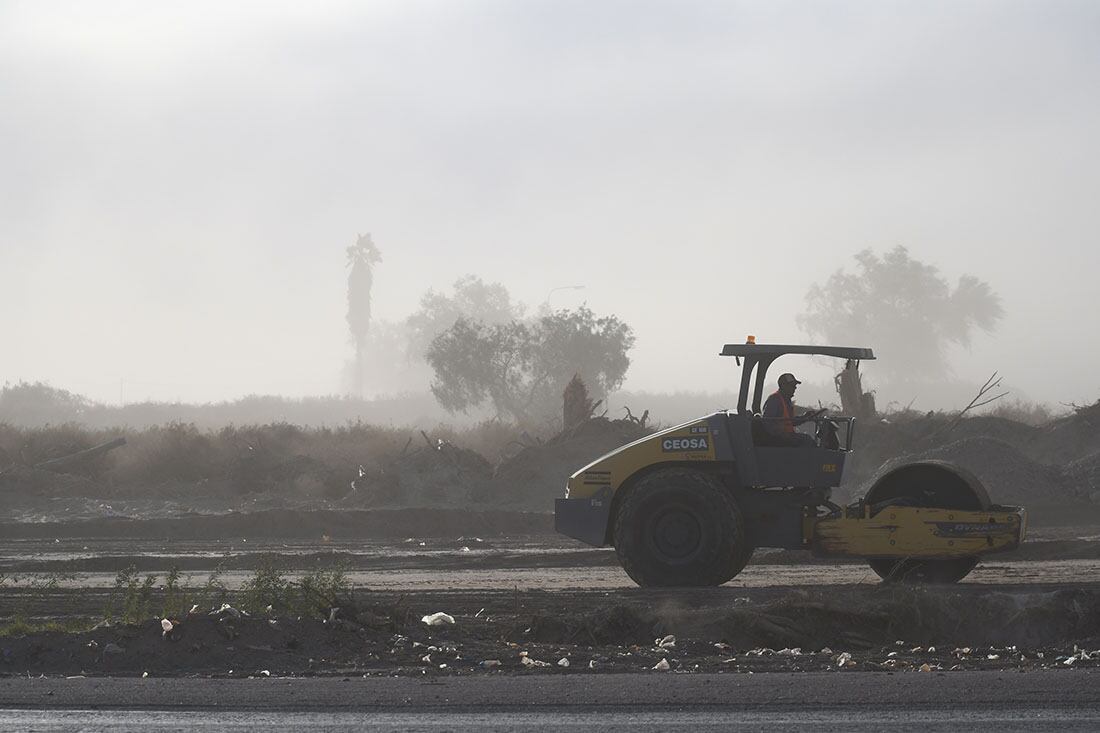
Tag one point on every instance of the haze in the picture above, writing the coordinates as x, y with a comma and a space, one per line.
178, 182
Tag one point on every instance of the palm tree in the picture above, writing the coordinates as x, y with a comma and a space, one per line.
361, 259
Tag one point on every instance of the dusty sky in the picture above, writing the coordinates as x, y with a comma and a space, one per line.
178, 181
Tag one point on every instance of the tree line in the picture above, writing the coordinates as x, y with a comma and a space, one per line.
480, 351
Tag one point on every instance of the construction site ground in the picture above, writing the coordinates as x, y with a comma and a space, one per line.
426, 528
526, 604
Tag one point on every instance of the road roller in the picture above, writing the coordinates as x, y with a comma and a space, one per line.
688, 506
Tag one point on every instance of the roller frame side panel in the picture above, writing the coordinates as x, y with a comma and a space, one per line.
804, 466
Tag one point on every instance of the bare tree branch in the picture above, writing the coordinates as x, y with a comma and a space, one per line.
978, 401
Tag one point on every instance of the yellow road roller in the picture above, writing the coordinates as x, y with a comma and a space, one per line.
687, 506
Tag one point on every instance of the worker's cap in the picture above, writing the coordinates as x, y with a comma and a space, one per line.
788, 378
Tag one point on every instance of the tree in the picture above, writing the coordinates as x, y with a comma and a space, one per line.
473, 299
362, 257
521, 368
37, 403
904, 309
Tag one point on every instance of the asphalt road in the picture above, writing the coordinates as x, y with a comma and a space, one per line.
1066, 700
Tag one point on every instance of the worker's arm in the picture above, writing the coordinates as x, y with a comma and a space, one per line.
808, 416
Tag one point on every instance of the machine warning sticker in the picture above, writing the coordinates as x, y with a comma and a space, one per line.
682, 445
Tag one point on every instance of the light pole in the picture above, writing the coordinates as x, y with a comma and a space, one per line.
546, 303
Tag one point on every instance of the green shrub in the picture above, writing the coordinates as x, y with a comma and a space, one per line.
322, 589
268, 586
132, 597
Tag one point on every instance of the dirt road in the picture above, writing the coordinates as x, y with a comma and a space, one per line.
529, 603
650, 702
470, 563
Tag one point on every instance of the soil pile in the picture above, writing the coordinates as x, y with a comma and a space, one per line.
209, 644
536, 475
906, 437
812, 619
917, 615
827, 629
361, 466
1054, 464
1069, 438
1084, 474
298, 476
618, 624
437, 474
1009, 475
19, 482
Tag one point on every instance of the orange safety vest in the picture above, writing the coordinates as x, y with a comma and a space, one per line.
788, 416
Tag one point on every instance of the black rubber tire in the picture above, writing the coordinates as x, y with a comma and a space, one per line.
679, 527
932, 484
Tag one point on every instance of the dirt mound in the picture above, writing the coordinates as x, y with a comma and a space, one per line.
1017, 434
829, 629
21, 482
619, 624
364, 467
907, 437
1084, 476
1069, 438
1008, 475
203, 644
920, 615
436, 474
536, 476
295, 475
862, 619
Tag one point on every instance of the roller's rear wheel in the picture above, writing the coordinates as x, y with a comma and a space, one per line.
932, 484
678, 527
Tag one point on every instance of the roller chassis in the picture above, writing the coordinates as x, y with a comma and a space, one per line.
928, 520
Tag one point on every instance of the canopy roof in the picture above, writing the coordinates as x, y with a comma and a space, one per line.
775, 350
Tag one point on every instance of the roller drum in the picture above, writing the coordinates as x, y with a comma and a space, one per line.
933, 484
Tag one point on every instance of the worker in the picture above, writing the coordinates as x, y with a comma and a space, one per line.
779, 417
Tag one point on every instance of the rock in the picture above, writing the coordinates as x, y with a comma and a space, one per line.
438, 619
